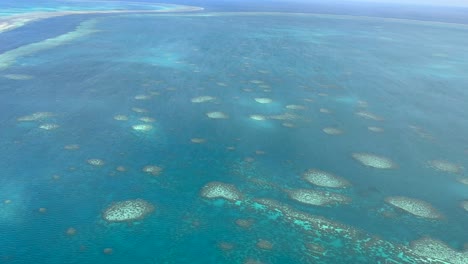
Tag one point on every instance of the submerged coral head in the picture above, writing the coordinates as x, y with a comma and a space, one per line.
128, 211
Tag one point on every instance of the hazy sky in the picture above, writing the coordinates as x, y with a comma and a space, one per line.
422, 2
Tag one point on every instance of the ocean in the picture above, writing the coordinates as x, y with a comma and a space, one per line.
231, 134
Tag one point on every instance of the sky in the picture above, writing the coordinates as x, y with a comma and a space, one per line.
461, 3
421, 2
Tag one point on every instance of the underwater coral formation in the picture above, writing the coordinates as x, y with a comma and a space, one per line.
214, 190
127, 211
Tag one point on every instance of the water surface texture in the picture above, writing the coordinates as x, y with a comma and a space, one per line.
230, 137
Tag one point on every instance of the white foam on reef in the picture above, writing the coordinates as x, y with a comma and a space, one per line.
127, 211
317, 198
325, 179
203, 99
374, 161
436, 249
8, 58
226, 191
414, 206
446, 166
217, 115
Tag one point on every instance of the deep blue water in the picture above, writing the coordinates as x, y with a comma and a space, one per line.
410, 73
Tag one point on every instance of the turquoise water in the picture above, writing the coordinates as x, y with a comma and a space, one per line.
20, 7
319, 71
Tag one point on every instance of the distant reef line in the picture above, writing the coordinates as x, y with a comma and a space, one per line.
332, 16
15, 21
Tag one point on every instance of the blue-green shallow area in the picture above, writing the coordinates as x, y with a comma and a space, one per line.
10, 7
410, 73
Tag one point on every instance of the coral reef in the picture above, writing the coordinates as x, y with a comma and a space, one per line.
142, 127
217, 115
374, 161
153, 170
96, 162
215, 190
414, 206
121, 117
263, 100
264, 244
332, 131
375, 129
35, 116
127, 211
445, 166
432, 248
464, 205
318, 198
203, 99
258, 117
325, 179
368, 115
